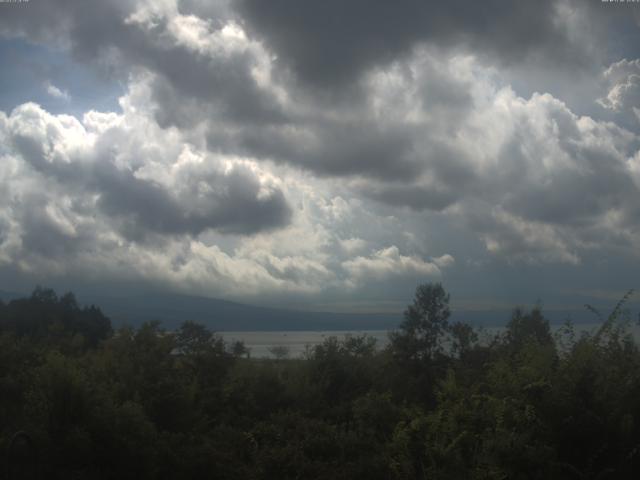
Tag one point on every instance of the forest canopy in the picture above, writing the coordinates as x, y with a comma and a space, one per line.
80, 400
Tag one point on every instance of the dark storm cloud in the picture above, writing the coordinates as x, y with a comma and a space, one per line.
42, 235
87, 28
339, 148
415, 197
4, 230
205, 8
232, 206
374, 137
225, 83
330, 43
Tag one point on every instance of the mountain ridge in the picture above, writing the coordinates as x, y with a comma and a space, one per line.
220, 315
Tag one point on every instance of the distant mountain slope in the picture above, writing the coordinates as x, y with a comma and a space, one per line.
6, 296
223, 315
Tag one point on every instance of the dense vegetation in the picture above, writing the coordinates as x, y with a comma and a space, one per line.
437, 403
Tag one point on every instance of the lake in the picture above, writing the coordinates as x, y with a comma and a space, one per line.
259, 343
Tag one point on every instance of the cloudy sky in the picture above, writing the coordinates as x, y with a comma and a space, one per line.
323, 155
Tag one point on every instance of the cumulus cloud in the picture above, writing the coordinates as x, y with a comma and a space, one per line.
305, 147
105, 186
353, 245
388, 262
327, 44
558, 185
623, 90
444, 261
115, 193
146, 183
444, 134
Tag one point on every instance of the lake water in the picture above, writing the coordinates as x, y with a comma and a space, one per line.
260, 343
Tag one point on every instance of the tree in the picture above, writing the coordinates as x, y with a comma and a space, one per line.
526, 327
193, 339
464, 338
279, 352
44, 315
424, 326
239, 349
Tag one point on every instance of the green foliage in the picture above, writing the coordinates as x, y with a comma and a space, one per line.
419, 346
150, 404
280, 351
45, 317
528, 327
425, 324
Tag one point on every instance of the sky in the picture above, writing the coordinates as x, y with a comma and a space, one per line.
322, 155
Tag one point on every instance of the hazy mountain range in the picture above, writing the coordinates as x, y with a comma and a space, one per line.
224, 315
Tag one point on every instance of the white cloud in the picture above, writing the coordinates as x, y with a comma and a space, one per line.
444, 261
55, 92
353, 245
622, 81
98, 195
386, 263
525, 201
532, 242
226, 172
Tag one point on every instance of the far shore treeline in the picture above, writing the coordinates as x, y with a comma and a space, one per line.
79, 399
